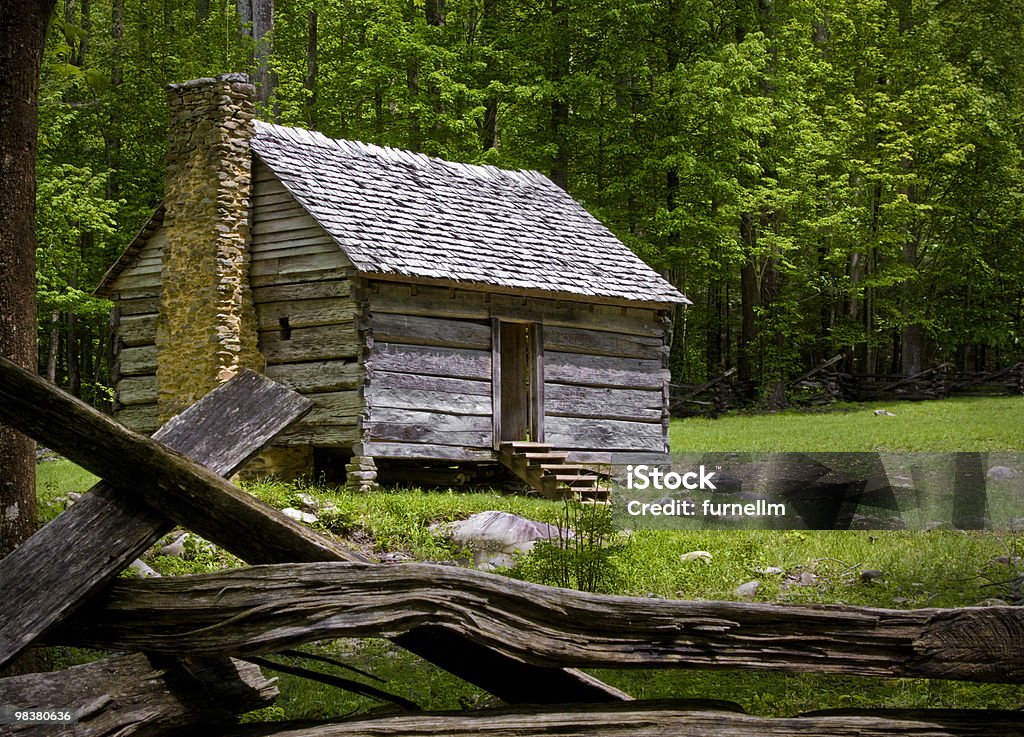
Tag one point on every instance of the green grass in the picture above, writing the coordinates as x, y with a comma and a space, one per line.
932, 569
969, 424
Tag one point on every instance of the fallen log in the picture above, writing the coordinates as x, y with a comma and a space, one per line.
94, 540
203, 502
657, 719
132, 694
268, 608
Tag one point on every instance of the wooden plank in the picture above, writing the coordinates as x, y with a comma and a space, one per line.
588, 434
514, 406
91, 542
306, 313
547, 626
131, 280
537, 335
425, 451
567, 400
321, 436
422, 399
298, 277
315, 262
463, 363
413, 330
136, 390
465, 303
137, 292
311, 344
137, 360
333, 408
404, 426
626, 373
299, 220
141, 306
135, 330
318, 376
138, 694
142, 418
603, 343
302, 290
289, 249
391, 380
686, 718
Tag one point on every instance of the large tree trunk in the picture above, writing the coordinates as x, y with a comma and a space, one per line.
23, 26
312, 70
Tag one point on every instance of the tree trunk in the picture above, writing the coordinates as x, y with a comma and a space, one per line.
559, 120
23, 25
311, 69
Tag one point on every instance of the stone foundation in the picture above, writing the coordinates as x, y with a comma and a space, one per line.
361, 474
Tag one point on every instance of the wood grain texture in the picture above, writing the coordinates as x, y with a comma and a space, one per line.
306, 313
137, 330
137, 360
657, 719
268, 608
567, 400
420, 451
318, 376
603, 343
90, 543
327, 342
132, 694
462, 363
136, 390
587, 370
413, 330
571, 433
387, 424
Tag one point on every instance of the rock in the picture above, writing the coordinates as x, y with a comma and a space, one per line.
900, 600
870, 575
496, 537
747, 590
770, 571
175, 548
807, 579
884, 413
299, 516
73, 496
1007, 560
1001, 473
696, 555
993, 602
308, 502
142, 570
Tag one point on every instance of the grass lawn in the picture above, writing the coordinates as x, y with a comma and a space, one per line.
966, 424
928, 569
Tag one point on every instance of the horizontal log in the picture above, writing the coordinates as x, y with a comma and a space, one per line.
137, 360
133, 279
378, 397
139, 306
291, 248
318, 376
463, 363
603, 343
132, 694
267, 608
403, 425
302, 290
591, 434
413, 330
689, 718
585, 370
567, 400
323, 436
299, 263
273, 277
479, 305
136, 390
426, 451
142, 418
96, 538
333, 408
321, 343
124, 293
137, 330
393, 380
305, 313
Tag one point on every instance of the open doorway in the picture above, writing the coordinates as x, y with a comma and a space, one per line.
518, 381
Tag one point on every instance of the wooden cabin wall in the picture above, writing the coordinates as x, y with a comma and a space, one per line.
429, 373
303, 291
136, 295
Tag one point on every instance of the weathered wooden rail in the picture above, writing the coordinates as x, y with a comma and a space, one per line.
517, 640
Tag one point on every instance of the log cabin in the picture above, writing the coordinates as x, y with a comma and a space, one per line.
438, 314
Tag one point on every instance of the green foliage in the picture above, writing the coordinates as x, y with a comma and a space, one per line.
583, 556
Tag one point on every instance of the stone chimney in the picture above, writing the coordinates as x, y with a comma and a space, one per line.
206, 330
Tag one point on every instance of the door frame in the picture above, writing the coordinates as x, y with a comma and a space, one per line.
535, 364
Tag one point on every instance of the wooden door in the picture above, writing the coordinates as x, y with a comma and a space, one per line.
518, 390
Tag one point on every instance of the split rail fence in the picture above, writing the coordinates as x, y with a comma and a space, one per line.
188, 648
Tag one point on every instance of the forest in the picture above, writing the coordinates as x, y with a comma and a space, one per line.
818, 176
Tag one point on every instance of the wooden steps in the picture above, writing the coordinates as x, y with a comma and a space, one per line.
548, 472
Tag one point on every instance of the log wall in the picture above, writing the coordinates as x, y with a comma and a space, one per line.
429, 374
304, 293
136, 292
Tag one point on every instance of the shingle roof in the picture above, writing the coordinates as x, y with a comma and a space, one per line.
401, 213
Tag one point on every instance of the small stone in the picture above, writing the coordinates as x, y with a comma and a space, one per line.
1007, 560
807, 579
870, 575
770, 571
884, 413
73, 496
747, 590
1001, 473
142, 570
696, 555
308, 502
900, 600
299, 516
175, 548
993, 602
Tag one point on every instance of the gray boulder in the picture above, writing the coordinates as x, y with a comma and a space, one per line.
494, 538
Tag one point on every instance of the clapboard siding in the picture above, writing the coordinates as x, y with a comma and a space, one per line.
137, 289
306, 315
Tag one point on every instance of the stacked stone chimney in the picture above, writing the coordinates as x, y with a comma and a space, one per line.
206, 330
